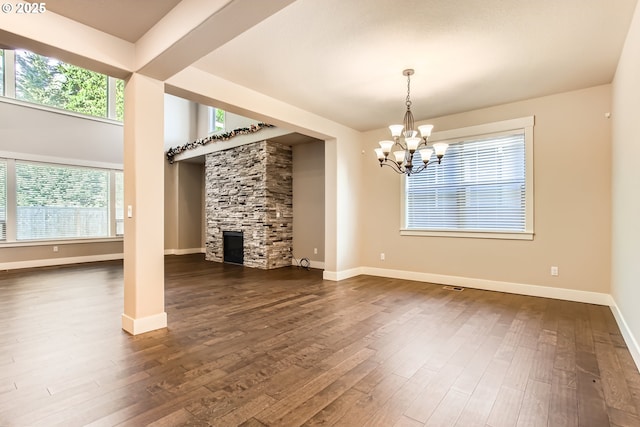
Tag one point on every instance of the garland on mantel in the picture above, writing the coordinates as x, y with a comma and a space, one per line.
172, 152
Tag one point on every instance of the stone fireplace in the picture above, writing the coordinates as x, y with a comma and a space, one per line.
249, 191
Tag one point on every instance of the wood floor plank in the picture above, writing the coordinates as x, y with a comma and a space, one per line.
478, 407
284, 347
563, 404
535, 405
506, 407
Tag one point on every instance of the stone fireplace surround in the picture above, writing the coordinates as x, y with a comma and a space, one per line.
249, 189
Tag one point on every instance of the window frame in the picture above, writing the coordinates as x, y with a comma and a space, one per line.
213, 122
453, 136
9, 94
11, 219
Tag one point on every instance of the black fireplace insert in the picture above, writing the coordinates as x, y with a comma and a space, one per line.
233, 247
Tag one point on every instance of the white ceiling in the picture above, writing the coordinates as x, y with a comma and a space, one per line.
125, 19
343, 60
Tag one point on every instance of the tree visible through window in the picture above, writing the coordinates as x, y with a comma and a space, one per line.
47, 81
216, 119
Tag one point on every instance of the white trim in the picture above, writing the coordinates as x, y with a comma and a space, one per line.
61, 111
185, 251
44, 242
342, 275
629, 338
468, 234
58, 261
313, 264
60, 160
494, 285
144, 324
453, 136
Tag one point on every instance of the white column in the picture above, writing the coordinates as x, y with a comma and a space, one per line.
144, 205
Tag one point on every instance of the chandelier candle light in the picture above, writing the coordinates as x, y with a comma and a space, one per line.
402, 161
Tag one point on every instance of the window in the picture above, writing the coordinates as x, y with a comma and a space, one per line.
52, 83
216, 120
483, 188
3, 200
1, 72
119, 100
119, 194
59, 202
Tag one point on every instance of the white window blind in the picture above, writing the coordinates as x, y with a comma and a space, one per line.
480, 186
3, 200
60, 202
119, 214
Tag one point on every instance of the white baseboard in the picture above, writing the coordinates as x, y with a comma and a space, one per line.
313, 264
342, 275
184, 251
48, 262
522, 289
628, 336
144, 324
494, 285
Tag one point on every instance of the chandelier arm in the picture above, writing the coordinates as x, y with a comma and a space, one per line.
393, 166
419, 169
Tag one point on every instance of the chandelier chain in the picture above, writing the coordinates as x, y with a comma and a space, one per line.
408, 102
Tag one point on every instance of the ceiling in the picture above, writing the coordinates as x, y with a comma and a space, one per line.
343, 60
125, 19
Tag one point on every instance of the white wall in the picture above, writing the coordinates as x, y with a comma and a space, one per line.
572, 210
180, 121
625, 275
43, 132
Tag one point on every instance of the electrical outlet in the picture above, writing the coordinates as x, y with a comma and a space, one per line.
315, 251
554, 270
55, 249
382, 256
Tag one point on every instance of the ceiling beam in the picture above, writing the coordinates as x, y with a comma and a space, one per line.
183, 37
53, 35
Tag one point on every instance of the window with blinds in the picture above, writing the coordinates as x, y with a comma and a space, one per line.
119, 193
3, 200
480, 187
61, 202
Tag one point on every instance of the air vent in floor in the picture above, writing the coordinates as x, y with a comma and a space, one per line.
453, 288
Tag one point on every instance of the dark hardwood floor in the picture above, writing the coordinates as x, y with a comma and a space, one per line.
285, 348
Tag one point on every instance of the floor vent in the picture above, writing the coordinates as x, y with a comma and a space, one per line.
453, 288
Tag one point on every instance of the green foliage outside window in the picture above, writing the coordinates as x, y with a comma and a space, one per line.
48, 185
46, 81
120, 100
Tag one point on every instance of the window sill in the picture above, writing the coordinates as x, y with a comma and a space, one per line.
22, 243
61, 111
468, 234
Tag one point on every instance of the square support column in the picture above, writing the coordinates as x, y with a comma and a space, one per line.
144, 205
